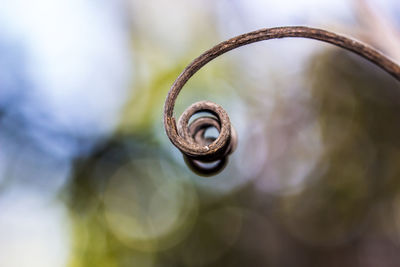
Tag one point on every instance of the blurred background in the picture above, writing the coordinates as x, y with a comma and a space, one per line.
89, 178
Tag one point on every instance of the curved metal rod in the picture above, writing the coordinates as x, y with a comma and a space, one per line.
217, 149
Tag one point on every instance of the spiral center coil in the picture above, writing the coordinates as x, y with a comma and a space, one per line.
195, 131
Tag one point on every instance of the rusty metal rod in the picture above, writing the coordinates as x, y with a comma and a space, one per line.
195, 147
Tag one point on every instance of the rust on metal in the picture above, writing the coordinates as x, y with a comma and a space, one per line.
207, 156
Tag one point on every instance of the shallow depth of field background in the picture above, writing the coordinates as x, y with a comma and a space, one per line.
89, 178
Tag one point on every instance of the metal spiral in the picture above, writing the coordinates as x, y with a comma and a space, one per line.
194, 132
208, 156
